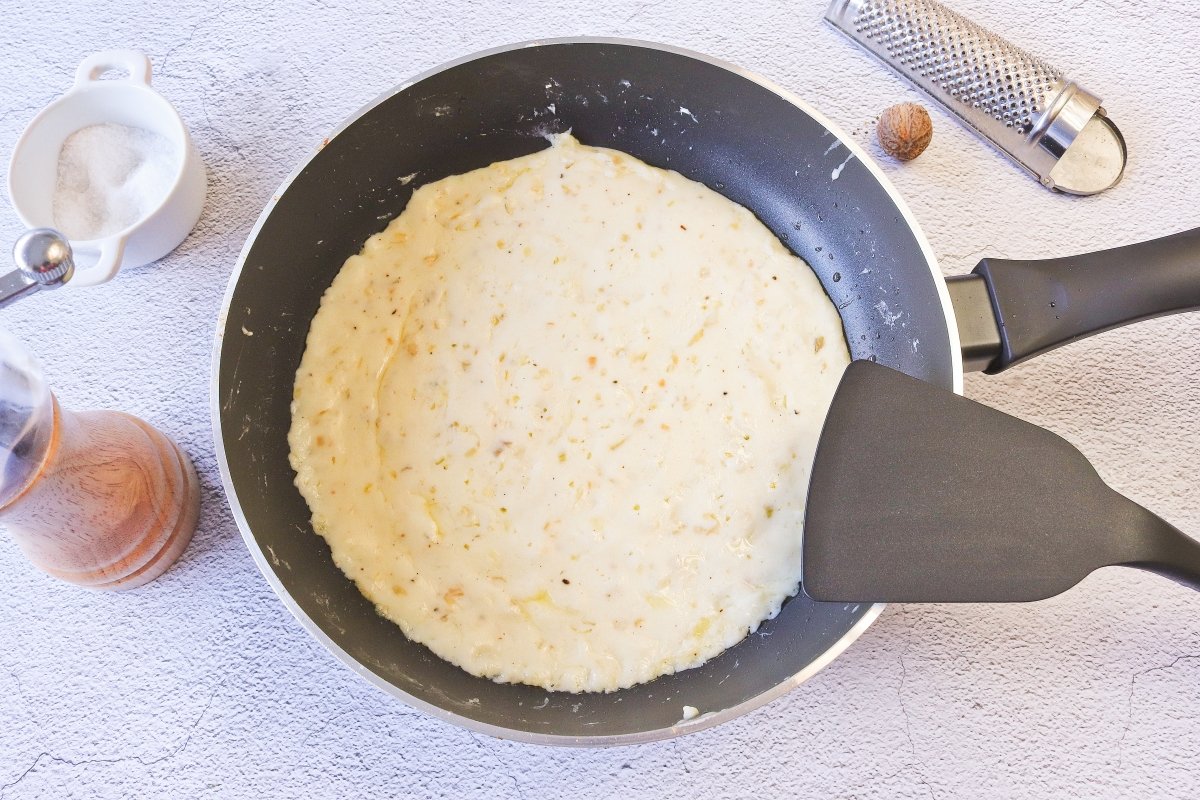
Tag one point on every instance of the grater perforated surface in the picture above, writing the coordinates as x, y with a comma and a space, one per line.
966, 62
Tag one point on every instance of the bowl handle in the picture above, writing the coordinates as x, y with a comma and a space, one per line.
95, 65
107, 265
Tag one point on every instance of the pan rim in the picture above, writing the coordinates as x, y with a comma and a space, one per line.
529, 737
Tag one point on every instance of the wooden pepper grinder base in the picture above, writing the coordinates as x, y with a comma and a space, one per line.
113, 505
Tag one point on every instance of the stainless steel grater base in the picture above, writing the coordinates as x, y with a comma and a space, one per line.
1045, 122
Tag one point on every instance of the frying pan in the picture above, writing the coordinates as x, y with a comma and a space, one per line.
746, 138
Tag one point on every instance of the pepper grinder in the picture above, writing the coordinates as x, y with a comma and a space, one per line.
96, 498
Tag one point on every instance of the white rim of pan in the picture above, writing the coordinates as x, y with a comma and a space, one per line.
683, 727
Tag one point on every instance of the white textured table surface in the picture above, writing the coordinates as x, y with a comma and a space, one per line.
202, 685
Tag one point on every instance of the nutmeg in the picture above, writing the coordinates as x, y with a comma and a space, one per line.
905, 130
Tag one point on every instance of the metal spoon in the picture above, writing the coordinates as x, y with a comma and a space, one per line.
44, 261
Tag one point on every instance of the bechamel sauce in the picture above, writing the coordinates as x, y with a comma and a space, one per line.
557, 419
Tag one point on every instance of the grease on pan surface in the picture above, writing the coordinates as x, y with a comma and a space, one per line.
556, 421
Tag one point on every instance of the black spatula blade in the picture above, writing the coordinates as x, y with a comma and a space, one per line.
919, 495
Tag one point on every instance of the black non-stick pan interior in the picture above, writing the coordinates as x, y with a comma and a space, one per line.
670, 109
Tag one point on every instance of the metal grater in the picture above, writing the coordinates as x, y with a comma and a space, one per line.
1039, 118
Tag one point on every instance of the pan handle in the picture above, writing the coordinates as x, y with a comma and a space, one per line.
1044, 304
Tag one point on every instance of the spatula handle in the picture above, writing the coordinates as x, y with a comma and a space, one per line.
1162, 548
1041, 305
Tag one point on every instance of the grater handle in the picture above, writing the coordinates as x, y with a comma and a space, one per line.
1023, 105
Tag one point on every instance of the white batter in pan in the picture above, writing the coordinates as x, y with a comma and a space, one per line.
556, 421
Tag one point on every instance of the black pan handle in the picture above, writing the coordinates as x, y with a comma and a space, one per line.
1041, 305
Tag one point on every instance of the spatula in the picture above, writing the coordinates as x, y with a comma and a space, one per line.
919, 495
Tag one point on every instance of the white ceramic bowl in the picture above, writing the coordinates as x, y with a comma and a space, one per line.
128, 100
